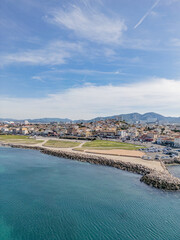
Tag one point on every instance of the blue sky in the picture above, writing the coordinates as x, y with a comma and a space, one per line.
87, 58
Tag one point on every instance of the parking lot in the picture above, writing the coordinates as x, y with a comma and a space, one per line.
158, 152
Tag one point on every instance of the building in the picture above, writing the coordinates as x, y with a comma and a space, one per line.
26, 122
177, 142
121, 133
24, 131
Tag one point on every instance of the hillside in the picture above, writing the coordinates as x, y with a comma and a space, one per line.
131, 118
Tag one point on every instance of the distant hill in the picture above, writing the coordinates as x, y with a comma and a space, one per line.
39, 120
49, 120
147, 117
131, 118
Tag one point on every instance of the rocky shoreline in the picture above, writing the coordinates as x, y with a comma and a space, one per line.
161, 180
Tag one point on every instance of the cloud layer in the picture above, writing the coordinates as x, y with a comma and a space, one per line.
90, 24
54, 53
160, 95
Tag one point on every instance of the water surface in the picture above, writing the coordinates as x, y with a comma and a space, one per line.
174, 170
49, 198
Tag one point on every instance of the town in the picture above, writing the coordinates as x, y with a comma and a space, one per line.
110, 129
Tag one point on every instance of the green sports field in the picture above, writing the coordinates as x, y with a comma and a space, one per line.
103, 144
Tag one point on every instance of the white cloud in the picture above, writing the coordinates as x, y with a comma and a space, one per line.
90, 24
55, 53
159, 95
38, 78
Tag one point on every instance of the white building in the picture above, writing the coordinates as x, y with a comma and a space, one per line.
121, 133
5, 130
177, 142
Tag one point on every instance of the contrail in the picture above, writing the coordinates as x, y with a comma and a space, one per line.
147, 13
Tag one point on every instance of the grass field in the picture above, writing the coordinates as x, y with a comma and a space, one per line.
105, 145
8, 137
18, 139
61, 144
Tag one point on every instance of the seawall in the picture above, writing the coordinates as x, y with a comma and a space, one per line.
158, 179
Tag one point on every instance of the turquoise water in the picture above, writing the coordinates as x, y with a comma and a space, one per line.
48, 198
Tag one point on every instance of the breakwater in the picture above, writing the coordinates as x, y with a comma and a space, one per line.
158, 179
161, 180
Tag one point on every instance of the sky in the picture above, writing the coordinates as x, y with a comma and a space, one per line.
80, 59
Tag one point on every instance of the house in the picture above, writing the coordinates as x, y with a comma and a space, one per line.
165, 140
149, 137
5, 130
24, 131
106, 134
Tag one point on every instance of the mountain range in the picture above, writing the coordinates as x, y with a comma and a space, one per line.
137, 117
131, 118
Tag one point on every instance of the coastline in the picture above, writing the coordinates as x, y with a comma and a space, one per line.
160, 179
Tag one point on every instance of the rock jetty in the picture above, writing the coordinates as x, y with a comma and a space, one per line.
158, 179
161, 180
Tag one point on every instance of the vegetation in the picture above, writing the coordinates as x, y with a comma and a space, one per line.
103, 144
18, 139
61, 144
175, 130
7, 137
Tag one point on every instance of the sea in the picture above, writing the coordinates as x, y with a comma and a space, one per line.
43, 197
